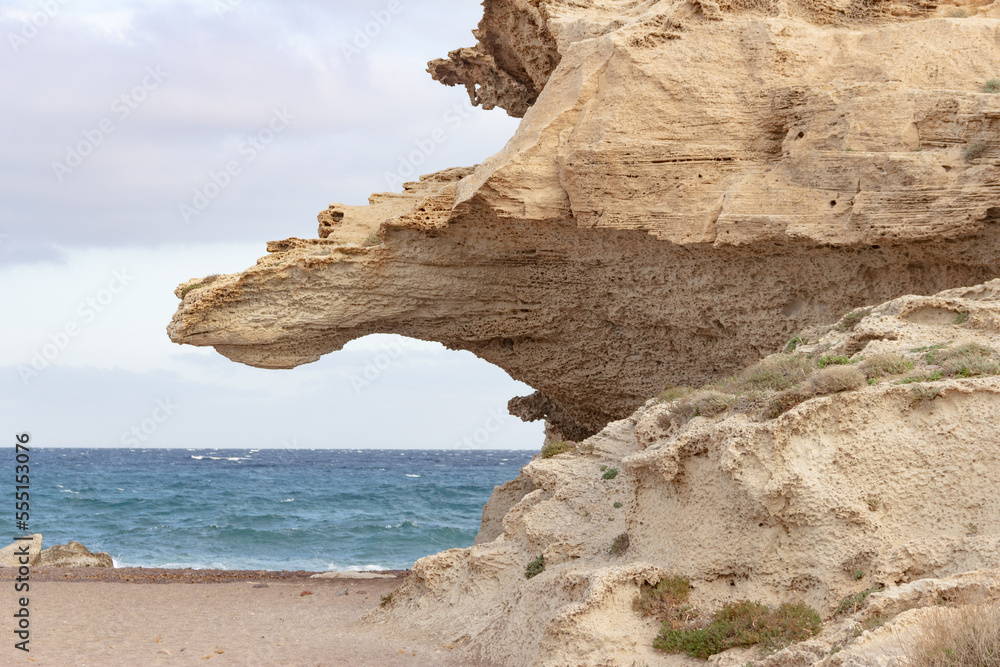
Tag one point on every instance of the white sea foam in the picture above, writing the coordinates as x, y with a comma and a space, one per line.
373, 567
409, 475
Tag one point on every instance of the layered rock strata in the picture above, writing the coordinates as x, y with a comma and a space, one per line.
891, 484
690, 185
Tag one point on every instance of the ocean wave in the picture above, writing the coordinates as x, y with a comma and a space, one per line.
409, 475
371, 567
221, 458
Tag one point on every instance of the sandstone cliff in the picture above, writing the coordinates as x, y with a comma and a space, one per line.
890, 484
691, 184
694, 185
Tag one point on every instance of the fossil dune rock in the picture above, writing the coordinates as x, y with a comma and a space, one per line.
892, 484
691, 184
74, 554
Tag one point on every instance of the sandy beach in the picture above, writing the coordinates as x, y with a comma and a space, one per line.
137, 616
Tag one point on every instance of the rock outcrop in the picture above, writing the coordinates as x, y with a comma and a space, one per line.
11, 555
694, 185
890, 484
74, 554
691, 184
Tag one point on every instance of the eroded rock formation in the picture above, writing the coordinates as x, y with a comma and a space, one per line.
690, 185
892, 484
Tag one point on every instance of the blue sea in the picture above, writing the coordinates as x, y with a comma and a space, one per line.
264, 509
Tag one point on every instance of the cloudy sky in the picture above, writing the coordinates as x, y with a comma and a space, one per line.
114, 118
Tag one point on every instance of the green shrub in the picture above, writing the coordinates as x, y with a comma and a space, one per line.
553, 448
827, 381
661, 601
189, 288
619, 545
992, 86
921, 394
386, 600
833, 359
886, 364
794, 343
617, 504
832, 380
775, 373
535, 567
610, 473
969, 360
742, 624
962, 318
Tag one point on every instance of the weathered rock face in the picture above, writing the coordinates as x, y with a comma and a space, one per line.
11, 555
691, 184
893, 484
74, 554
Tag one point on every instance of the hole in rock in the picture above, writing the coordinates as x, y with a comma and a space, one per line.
415, 394
801, 134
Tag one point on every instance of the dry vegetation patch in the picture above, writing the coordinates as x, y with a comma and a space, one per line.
551, 449
741, 624
968, 635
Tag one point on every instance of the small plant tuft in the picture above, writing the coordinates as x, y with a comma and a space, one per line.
742, 624
617, 504
535, 567
371, 241
386, 599
974, 151
920, 394
969, 360
190, 288
620, 545
662, 600
833, 359
794, 344
992, 86
672, 394
852, 603
610, 473
886, 364
962, 318
968, 635
851, 319
554, 448
859, 575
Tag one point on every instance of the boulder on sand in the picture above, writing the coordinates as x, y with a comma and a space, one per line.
74, 554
